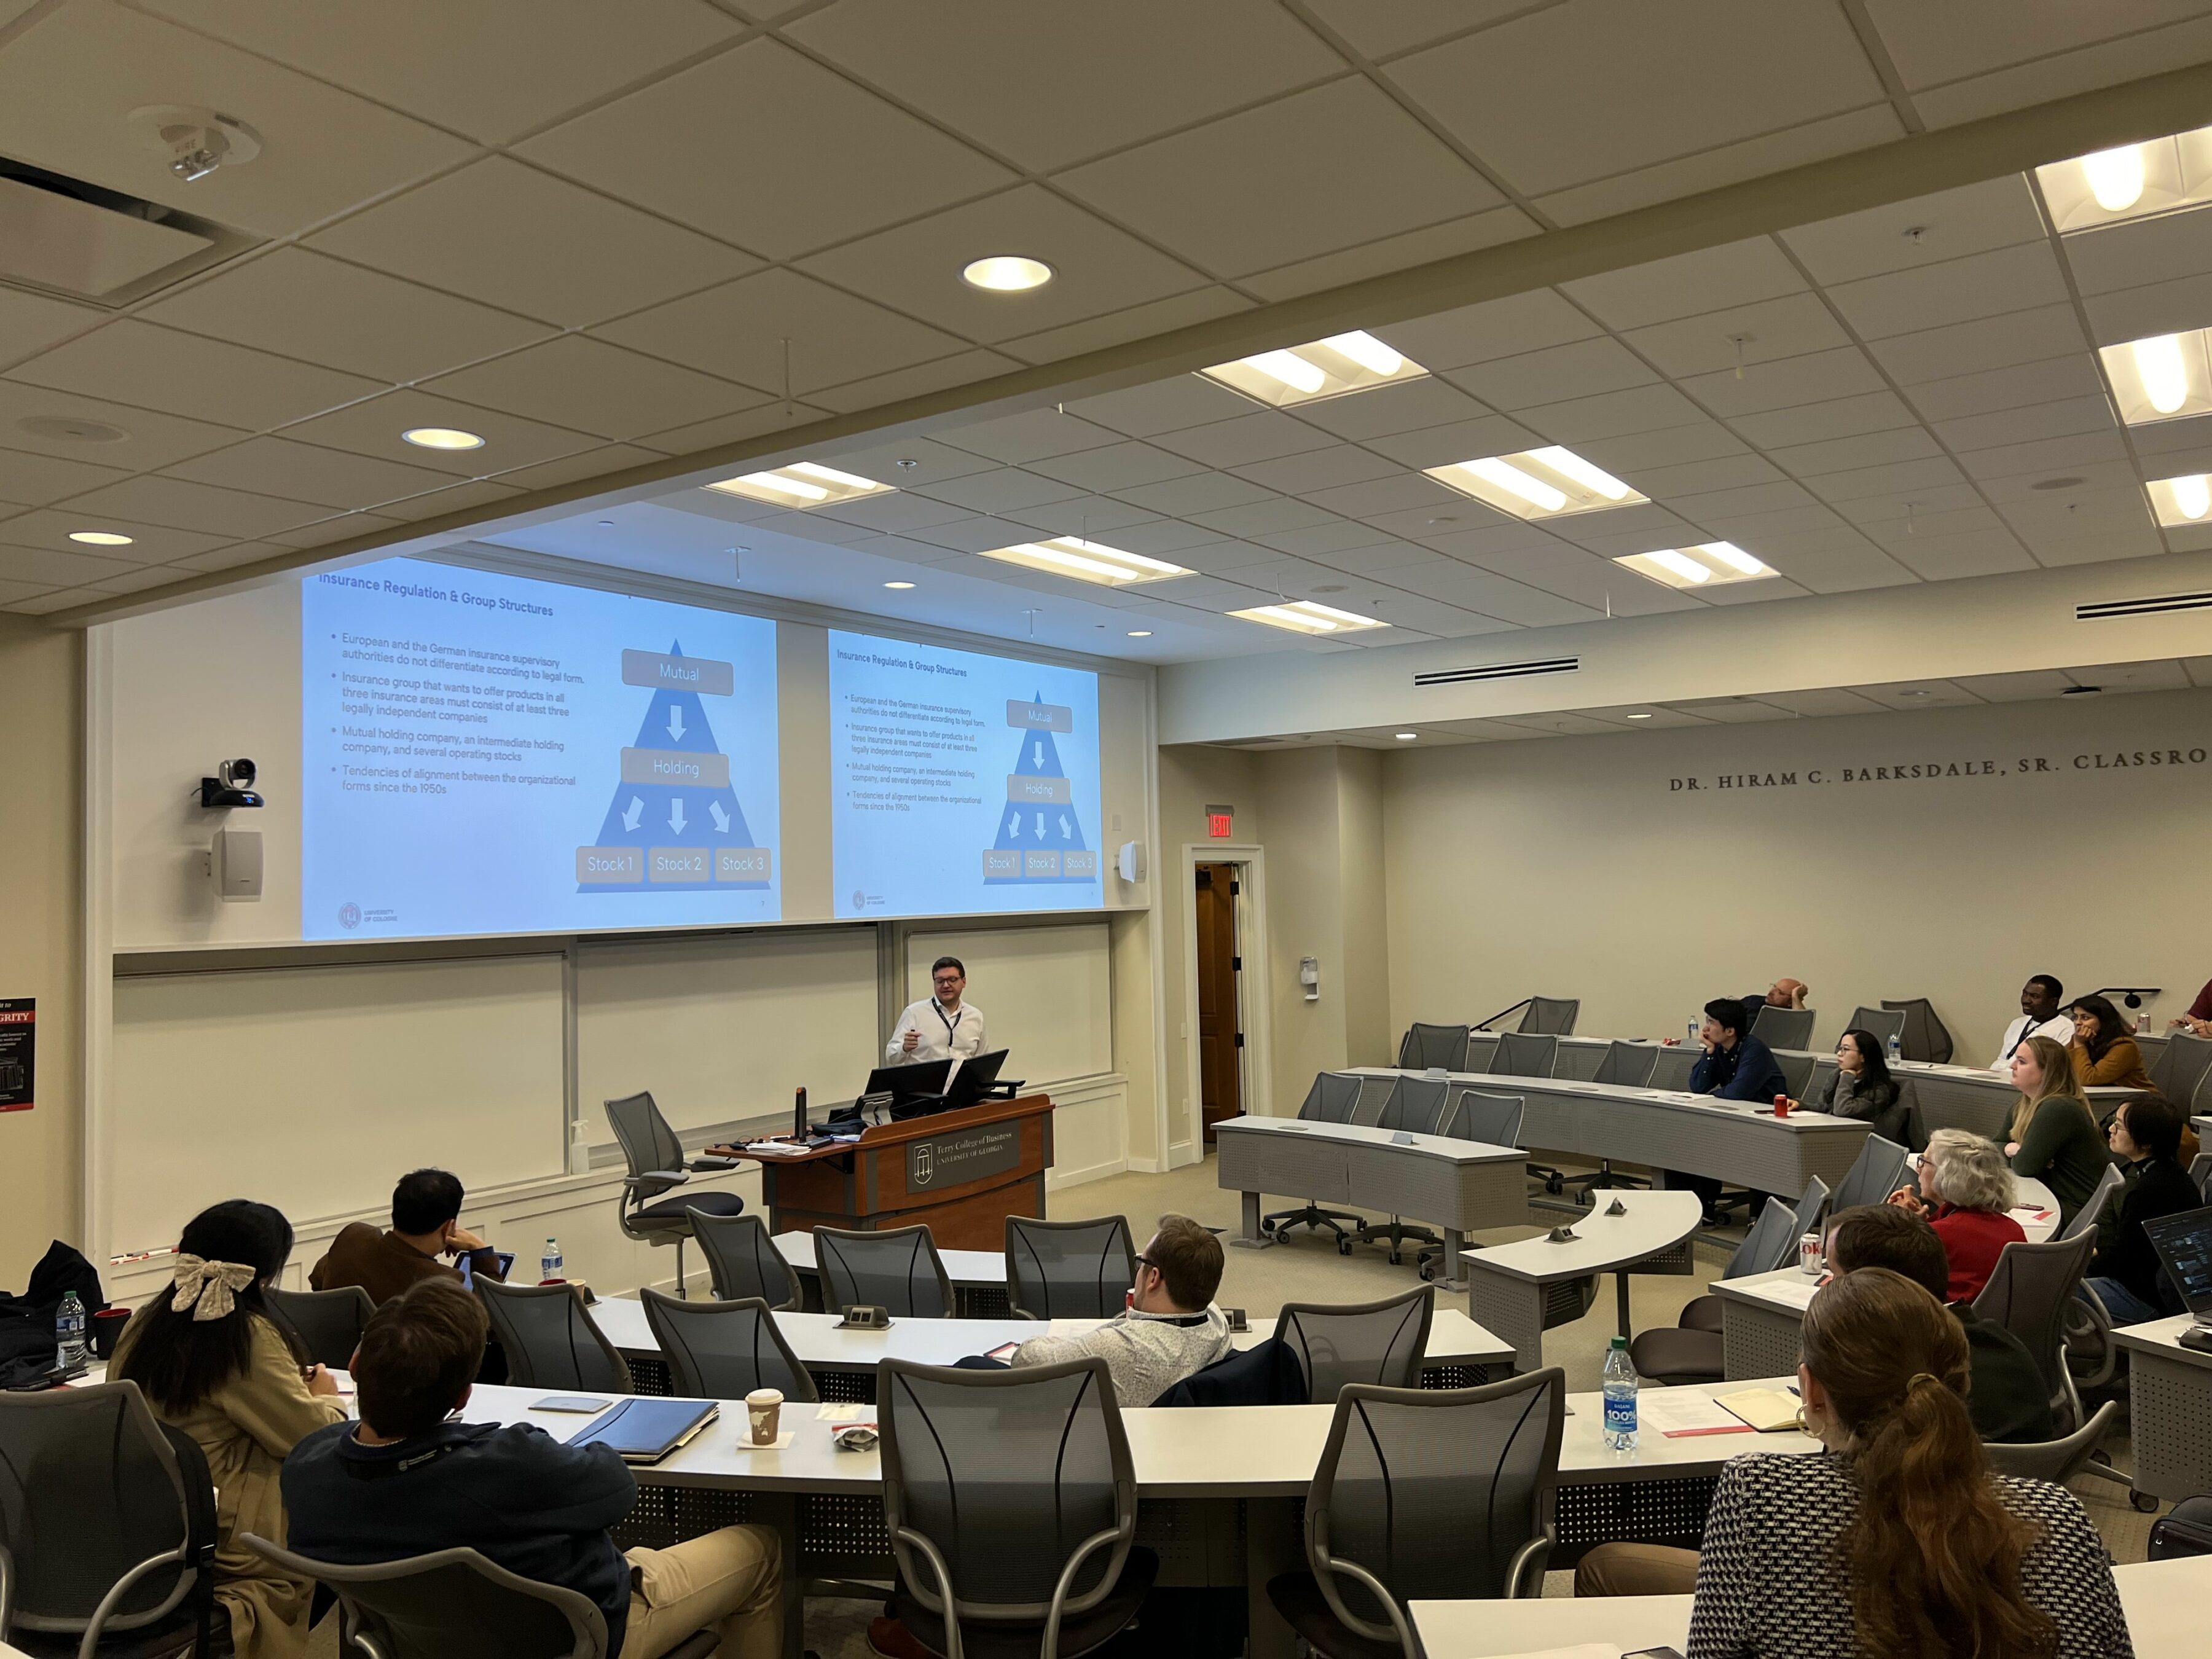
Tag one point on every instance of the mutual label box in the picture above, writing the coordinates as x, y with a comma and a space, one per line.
1027, 791
679, 864
965, 1155
676, 766
609, 866
741, 863
1039, 716
664, 672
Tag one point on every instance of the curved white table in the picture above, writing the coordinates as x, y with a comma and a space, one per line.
1508, 1284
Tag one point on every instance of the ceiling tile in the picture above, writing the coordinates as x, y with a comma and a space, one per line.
1259, 517
35, 480
1903, 443
1827, 699
1910, 505
31, 322
1731, 164
308, 473
149, 439
131, 361
1976, 553
151, 543
477, 493
1386, 254
1919, 523
918, 379
1377, 561
1930, 46
1403, 492
586, 464
1407, 406
2027, 423
343, 527
1584, 577
1694, 441
1091, 515
829, 141
1668, 484
1939, 354
287, 301
1844, 570
1460, 440
373, 427
1321, 170
1029, 436
1537, 102
2072, 376
1689, 284
909, 463
1324, 542
1814, 378
493, 69
1117, 469
1136, 323
1003, 490
1956, 291
1554, 375
1894, 478
1788, 327
68, 82
183, 505
1169, 405
589, 386
1014, 98
1923, 231
2131, 313
2044, 80
45, 567
1263, 437
916, 267
738, 330
730, 428
1612, 414
2044, 455
1494, 328
1202, 492
1720, 504
512, 236
1163, 538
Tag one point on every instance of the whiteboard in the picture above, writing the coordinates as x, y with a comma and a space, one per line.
725, 1027
1046, 993
314, 1089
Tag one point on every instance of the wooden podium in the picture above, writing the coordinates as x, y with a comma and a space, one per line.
963, 1173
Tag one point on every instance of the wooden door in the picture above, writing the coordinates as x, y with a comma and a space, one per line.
1220, 1069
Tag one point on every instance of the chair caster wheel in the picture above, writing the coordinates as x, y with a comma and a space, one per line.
1344, 1246
2100, 1455
1554, 1185
1393, 1258
2143, 1501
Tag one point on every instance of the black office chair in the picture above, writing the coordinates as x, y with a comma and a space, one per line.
655, 1157
897, 1269
1797, 1074
1783, 1028
1069, 1269
326, 1324
107, 1527
2179, 1071
725, 1350
552, 1339
1551, 1016
1875, 1173
1417, 1105
1424, 1047
1381, 1343
1924, 1036
744, 1261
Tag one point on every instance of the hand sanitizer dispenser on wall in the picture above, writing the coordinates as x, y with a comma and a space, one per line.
1309, 977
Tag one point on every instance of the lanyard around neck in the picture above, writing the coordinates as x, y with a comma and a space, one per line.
952, 1024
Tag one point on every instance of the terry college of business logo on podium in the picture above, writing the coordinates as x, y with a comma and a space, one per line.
925, 1164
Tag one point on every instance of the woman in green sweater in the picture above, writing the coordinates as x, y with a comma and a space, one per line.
2054, 1135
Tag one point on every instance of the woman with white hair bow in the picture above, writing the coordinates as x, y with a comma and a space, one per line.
211, 1362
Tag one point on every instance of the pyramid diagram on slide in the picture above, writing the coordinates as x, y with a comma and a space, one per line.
674, 821
1040, 838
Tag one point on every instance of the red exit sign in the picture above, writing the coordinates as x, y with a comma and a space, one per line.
1220, 823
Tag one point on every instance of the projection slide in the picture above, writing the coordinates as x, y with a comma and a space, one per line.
960, 783
487, 754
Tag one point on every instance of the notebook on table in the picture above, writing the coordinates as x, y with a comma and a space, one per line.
646, 1429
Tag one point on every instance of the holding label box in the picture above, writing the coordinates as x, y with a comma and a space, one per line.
1027, 788
676, 766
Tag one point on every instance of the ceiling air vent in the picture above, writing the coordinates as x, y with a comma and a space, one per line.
1501, 671
64, 236
2151, 607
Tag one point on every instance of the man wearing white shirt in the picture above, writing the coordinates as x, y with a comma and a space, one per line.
2039, 1017
938, 1027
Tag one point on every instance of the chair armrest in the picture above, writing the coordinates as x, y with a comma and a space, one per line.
929, 1553
89, 1647
1380, 1591
1084, 1551
1532, 1554
706, 1165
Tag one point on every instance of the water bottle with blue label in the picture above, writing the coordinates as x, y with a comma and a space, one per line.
1619, 1398
1692, 1039
1896, 1049
549, 1263
69, 1331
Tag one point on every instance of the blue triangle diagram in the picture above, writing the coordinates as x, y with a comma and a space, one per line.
1040, 835
678, 829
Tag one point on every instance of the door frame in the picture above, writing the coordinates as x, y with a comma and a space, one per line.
1255, 1080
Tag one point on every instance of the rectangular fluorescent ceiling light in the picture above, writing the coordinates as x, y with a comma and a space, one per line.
1304, 616
2135, 181
1087, 561
1710, 564
1324, 368
2182, 500
802, 484
2163, 378
1538, 483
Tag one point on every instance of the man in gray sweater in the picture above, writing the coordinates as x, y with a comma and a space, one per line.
1170, 1329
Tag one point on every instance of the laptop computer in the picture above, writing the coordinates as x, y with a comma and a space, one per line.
2184, 1243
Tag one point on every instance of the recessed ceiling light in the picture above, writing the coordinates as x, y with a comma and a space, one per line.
1538, 483
2185, 500
898, 586
1342, 363
2134, 181
441, 437
1639, 717
802, 484
1140, 633
1005, 273
1086, 561
100, 539
1306, 617
1406, 736
1710, 564
2162, 378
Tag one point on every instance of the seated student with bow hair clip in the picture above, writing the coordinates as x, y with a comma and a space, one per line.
211, 1362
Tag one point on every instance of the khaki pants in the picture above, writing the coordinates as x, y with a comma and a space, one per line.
730, 1580
1636, 1570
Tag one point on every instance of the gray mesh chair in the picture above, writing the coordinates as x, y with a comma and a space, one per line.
2055, 1461
551, 1341
2105, 1193
1884, 1022
1491, 1119
1551, 1016
1069, 1269
1011, 1500
1690, 1350
457, 1601
1813, 1200
1424, 1047
1381, 1343
1421, 1494
326, 1324
744, 1261
1783, 1028
107, 1527
1924, 1036
1627, 1064
655, 1157
1878, 1171
2029, 1292
1420, 1106
897, 1269
725, 1350
2179, 1071
1797, 1074
1333, 1098
1521, 1055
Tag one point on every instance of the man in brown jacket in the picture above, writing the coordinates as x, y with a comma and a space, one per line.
426, 1229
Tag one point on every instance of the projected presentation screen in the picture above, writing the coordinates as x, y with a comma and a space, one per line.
960, 782
486, 754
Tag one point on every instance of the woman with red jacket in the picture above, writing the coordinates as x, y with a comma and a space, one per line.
1966, 1191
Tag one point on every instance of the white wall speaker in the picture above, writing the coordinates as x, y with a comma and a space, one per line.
1131, 861
237, 864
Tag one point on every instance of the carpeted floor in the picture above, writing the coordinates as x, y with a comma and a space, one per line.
1309, 1269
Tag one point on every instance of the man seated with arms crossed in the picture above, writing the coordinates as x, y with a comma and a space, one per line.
403, 1482
426, 1228
1736, 1066
1170, 1329
2041, 1014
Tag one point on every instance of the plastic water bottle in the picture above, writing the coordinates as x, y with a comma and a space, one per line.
1691, 1038
1896, 1049
69, 1331
1619, 1398
548, 1265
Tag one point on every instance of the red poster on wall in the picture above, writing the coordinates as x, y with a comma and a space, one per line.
18, 1053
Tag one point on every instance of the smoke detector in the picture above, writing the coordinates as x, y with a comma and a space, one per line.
196, 140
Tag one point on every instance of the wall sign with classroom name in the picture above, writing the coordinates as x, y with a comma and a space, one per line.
1929, 768
18, 1053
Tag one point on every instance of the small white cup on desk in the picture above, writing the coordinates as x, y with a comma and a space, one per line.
764, 1413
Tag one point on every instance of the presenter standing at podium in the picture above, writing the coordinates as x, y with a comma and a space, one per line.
940, 1026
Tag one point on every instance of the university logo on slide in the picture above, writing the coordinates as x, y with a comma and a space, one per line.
348, 915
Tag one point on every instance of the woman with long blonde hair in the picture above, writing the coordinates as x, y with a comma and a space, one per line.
1897, 1542
2054, 1136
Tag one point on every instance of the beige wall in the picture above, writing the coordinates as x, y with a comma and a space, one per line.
1582, 867
41, 806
